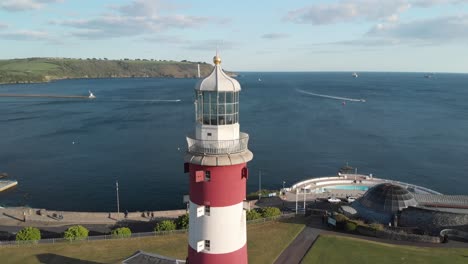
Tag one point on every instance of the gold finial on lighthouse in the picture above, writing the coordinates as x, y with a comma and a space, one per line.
217, 59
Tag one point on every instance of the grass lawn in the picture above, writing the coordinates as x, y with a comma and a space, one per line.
335, 249
31, 66
265, 243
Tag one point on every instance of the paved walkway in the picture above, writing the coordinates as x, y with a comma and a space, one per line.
299, 247
23, 216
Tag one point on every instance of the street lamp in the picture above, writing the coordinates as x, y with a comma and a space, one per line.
259, 184
296, 199
117, 192
305, 188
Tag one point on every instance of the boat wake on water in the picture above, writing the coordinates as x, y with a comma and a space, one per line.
145, 100
332, 97
98, 100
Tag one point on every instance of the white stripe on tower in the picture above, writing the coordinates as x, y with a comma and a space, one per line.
224, 227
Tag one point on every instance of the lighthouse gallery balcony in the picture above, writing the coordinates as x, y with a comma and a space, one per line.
218, 147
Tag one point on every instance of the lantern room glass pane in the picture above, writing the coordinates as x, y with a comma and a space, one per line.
213, 109
221, 97
206, 109
221, 120
206, 119
229, 97
221, 109
217, 108
229, 119
229, 108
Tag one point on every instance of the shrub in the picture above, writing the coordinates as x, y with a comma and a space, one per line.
376, 226
121, 232
340, 218
350, 226
76, 232
31, 234
166, 225
359, 222
270, 212
253, 214
182, 221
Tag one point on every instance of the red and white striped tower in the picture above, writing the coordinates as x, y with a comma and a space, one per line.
216, 161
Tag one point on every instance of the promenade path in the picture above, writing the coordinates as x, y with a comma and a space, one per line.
24, 216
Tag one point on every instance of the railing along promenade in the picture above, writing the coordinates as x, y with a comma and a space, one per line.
132, 236
218, 147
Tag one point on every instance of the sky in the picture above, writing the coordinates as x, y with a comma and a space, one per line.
295, 35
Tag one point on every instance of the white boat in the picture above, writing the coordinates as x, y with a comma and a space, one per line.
91, 95
7, 184
259, 79
355, 75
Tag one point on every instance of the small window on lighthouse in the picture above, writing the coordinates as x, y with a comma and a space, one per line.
207, 176
207, 210
200, 245
207, 245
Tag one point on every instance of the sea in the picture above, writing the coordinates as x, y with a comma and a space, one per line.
68, 154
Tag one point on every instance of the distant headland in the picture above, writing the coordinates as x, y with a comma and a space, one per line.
35, 70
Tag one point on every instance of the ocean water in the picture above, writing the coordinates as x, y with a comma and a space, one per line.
68, 153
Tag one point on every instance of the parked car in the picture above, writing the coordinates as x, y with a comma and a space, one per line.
333, 200
350, 199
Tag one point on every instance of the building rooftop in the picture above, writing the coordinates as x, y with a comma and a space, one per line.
141, 257
218, 80
388, 198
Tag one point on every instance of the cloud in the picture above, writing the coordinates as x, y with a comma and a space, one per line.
112, 26
164, 39
429, 3
26, 35
145, 7
23, 5
347, 10
3, 26
136, 18
360, 10
427, 31
212, 45
275, 36
366, 41
436, 31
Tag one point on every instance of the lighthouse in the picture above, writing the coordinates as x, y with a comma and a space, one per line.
216, 162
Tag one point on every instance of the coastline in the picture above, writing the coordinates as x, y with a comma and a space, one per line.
83, 78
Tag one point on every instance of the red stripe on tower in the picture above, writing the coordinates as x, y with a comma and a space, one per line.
225, 187
217, 159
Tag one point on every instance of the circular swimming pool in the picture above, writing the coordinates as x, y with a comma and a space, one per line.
347, 187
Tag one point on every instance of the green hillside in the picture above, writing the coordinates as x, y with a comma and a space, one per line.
47, 69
